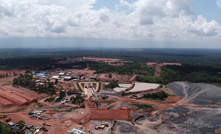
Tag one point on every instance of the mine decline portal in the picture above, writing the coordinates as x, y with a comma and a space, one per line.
94, 94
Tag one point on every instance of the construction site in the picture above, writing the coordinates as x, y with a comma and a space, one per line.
123, 109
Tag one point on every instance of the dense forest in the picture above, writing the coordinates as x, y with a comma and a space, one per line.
191, 73
199, 65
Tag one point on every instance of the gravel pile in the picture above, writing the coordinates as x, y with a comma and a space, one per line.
126, 128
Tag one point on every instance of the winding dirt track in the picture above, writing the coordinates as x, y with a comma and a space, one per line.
181, 102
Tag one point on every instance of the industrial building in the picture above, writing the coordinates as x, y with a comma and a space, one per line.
67, 78
55, 77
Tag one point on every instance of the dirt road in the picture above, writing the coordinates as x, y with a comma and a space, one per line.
7, 80
154, 103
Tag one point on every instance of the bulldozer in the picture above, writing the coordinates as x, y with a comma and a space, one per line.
9, 119
102, 126
44, 123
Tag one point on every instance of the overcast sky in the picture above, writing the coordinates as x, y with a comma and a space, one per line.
110, 23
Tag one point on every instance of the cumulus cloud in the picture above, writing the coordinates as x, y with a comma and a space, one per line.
162, 20
202, 27
148, 10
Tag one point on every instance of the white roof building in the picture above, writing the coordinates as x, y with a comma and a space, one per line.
61, 73
55, 77
67, 78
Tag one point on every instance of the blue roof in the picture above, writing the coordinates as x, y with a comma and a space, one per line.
104, 95
29, 132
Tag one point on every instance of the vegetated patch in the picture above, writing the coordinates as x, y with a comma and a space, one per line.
155, 96
109, 102
149, 79
99, 87
58, 100
78, 99
4, 129
112, 85
126, 94
51, 99
79, 87
142, 106
217, 84
27, 81
39, 105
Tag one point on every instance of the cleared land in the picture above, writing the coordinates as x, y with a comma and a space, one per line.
125, 85
119, 89
11, 72
110, 114
19, 96
143, 87
5, 102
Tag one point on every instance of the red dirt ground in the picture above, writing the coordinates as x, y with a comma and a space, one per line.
18, 96
161, 105
10, 72
12, 97
173, 99
5, 102
23, 91
110, 114
158, 66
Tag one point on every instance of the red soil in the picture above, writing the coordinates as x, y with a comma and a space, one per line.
18, 96
12, 97
110, 114
23, 91
5, 102
172, 99
11, 72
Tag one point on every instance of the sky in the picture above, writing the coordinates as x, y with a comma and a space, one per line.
110, 23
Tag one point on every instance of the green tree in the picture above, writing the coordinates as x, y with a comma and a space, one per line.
15, 81
56, 81
61, 94
20, 124
110, 75
0, 128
